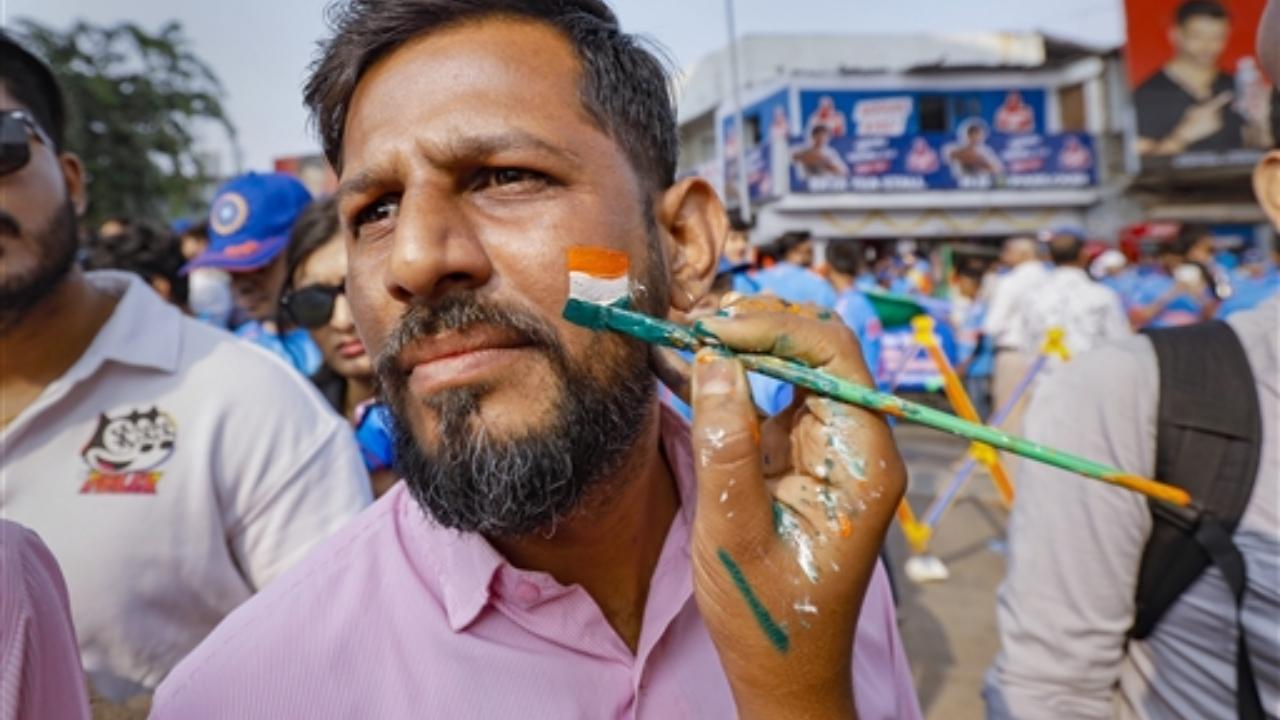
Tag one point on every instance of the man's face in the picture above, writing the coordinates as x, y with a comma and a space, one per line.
737, 249
801, 254
470, 167
1201, 39
258, 291
37, 227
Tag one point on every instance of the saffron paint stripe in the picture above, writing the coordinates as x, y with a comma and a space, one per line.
776, 635
597, 261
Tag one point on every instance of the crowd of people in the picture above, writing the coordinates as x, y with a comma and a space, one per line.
342, 457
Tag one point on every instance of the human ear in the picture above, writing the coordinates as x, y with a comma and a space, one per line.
1266, 186
74, 177
696, 226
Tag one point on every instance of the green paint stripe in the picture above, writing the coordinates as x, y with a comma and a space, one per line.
777, 636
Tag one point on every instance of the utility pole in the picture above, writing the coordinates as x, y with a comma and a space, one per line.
744, 198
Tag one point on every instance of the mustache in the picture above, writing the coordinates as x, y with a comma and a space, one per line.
459, 313
9, 225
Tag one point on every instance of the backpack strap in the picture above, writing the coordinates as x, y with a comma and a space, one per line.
1209, 442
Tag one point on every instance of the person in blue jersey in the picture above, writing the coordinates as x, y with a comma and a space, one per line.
249, 224
1180, 290
740, 257
1253, 283
976, 358
791, 277
314, 297
843, 266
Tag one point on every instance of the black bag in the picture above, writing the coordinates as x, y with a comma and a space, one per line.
1208, 441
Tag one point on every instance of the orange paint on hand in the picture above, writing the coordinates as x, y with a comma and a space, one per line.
846, 525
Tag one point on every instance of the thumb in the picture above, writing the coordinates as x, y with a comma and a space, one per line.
733, 504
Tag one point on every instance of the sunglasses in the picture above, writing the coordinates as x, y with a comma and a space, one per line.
16, 130
311, 306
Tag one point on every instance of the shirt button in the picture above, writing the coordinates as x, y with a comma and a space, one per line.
527, 592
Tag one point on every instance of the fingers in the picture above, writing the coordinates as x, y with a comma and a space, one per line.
1220, 100
825, 344
732, 499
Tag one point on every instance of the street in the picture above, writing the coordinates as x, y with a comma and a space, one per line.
948, 627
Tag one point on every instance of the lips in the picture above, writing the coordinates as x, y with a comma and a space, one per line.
351, 349
453, 359
451, 344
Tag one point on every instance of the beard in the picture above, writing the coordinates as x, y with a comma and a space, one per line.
56, 244
472, 481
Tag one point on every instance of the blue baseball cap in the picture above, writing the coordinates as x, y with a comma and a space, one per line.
250, 221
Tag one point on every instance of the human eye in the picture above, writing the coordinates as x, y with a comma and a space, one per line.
383, 210
509, 179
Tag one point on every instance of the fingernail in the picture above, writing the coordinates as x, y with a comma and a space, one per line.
716, 374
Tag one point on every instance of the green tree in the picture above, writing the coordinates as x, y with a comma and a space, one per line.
136, 103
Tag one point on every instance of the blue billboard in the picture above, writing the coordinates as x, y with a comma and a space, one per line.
895, 113
970, 159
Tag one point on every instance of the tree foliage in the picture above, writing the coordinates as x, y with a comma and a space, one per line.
136, 103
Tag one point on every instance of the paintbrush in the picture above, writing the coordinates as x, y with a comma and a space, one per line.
592, 308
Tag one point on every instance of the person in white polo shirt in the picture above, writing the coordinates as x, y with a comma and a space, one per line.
172, 469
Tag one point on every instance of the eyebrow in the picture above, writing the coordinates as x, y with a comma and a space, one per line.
455, 151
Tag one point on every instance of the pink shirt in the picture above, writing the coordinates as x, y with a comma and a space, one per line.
396, 617
40, 673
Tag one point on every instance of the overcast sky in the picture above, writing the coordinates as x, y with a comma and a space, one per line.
260, 48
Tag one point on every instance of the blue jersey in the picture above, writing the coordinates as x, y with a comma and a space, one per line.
856, 311
797, 285
1250, 292
1182, 310
294, 346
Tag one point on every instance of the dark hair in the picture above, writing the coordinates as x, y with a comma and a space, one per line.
197, 230
624, 86
143, 249
1065, 249
32, 83
790, 241
1201, 8
844, 256
1188, 235
315, 227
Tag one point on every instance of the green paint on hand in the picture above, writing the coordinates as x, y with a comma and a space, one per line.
776, 635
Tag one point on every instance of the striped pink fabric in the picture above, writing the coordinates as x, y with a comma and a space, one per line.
40, 672
395, 617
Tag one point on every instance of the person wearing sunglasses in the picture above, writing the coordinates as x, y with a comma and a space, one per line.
316, 262
171, 469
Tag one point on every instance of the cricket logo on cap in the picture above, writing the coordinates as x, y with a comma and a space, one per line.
126, 449
229, 213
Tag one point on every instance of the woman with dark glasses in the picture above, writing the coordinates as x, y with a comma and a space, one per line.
316, 262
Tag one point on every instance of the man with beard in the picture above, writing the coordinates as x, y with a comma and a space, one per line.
562, 546
172, 470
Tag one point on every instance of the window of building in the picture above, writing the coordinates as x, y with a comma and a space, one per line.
1071, 107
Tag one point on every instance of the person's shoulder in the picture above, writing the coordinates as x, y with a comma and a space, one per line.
311, 610
1158, 83
240, 370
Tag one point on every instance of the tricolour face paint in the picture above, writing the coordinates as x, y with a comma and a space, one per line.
598, 275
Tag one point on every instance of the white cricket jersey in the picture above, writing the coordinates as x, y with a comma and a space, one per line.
173, 470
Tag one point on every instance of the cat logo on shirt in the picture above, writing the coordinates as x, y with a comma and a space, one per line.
125, 451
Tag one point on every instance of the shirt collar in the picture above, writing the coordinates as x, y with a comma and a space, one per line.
143, 331
465, 563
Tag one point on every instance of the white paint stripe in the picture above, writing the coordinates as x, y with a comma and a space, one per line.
597, 290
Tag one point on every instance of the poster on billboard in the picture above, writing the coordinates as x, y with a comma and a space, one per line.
973, 158
1199, 97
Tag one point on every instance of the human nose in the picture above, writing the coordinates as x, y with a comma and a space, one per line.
436, 248
341, 319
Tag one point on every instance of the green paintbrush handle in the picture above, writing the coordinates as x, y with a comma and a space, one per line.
850, 392
661, 332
